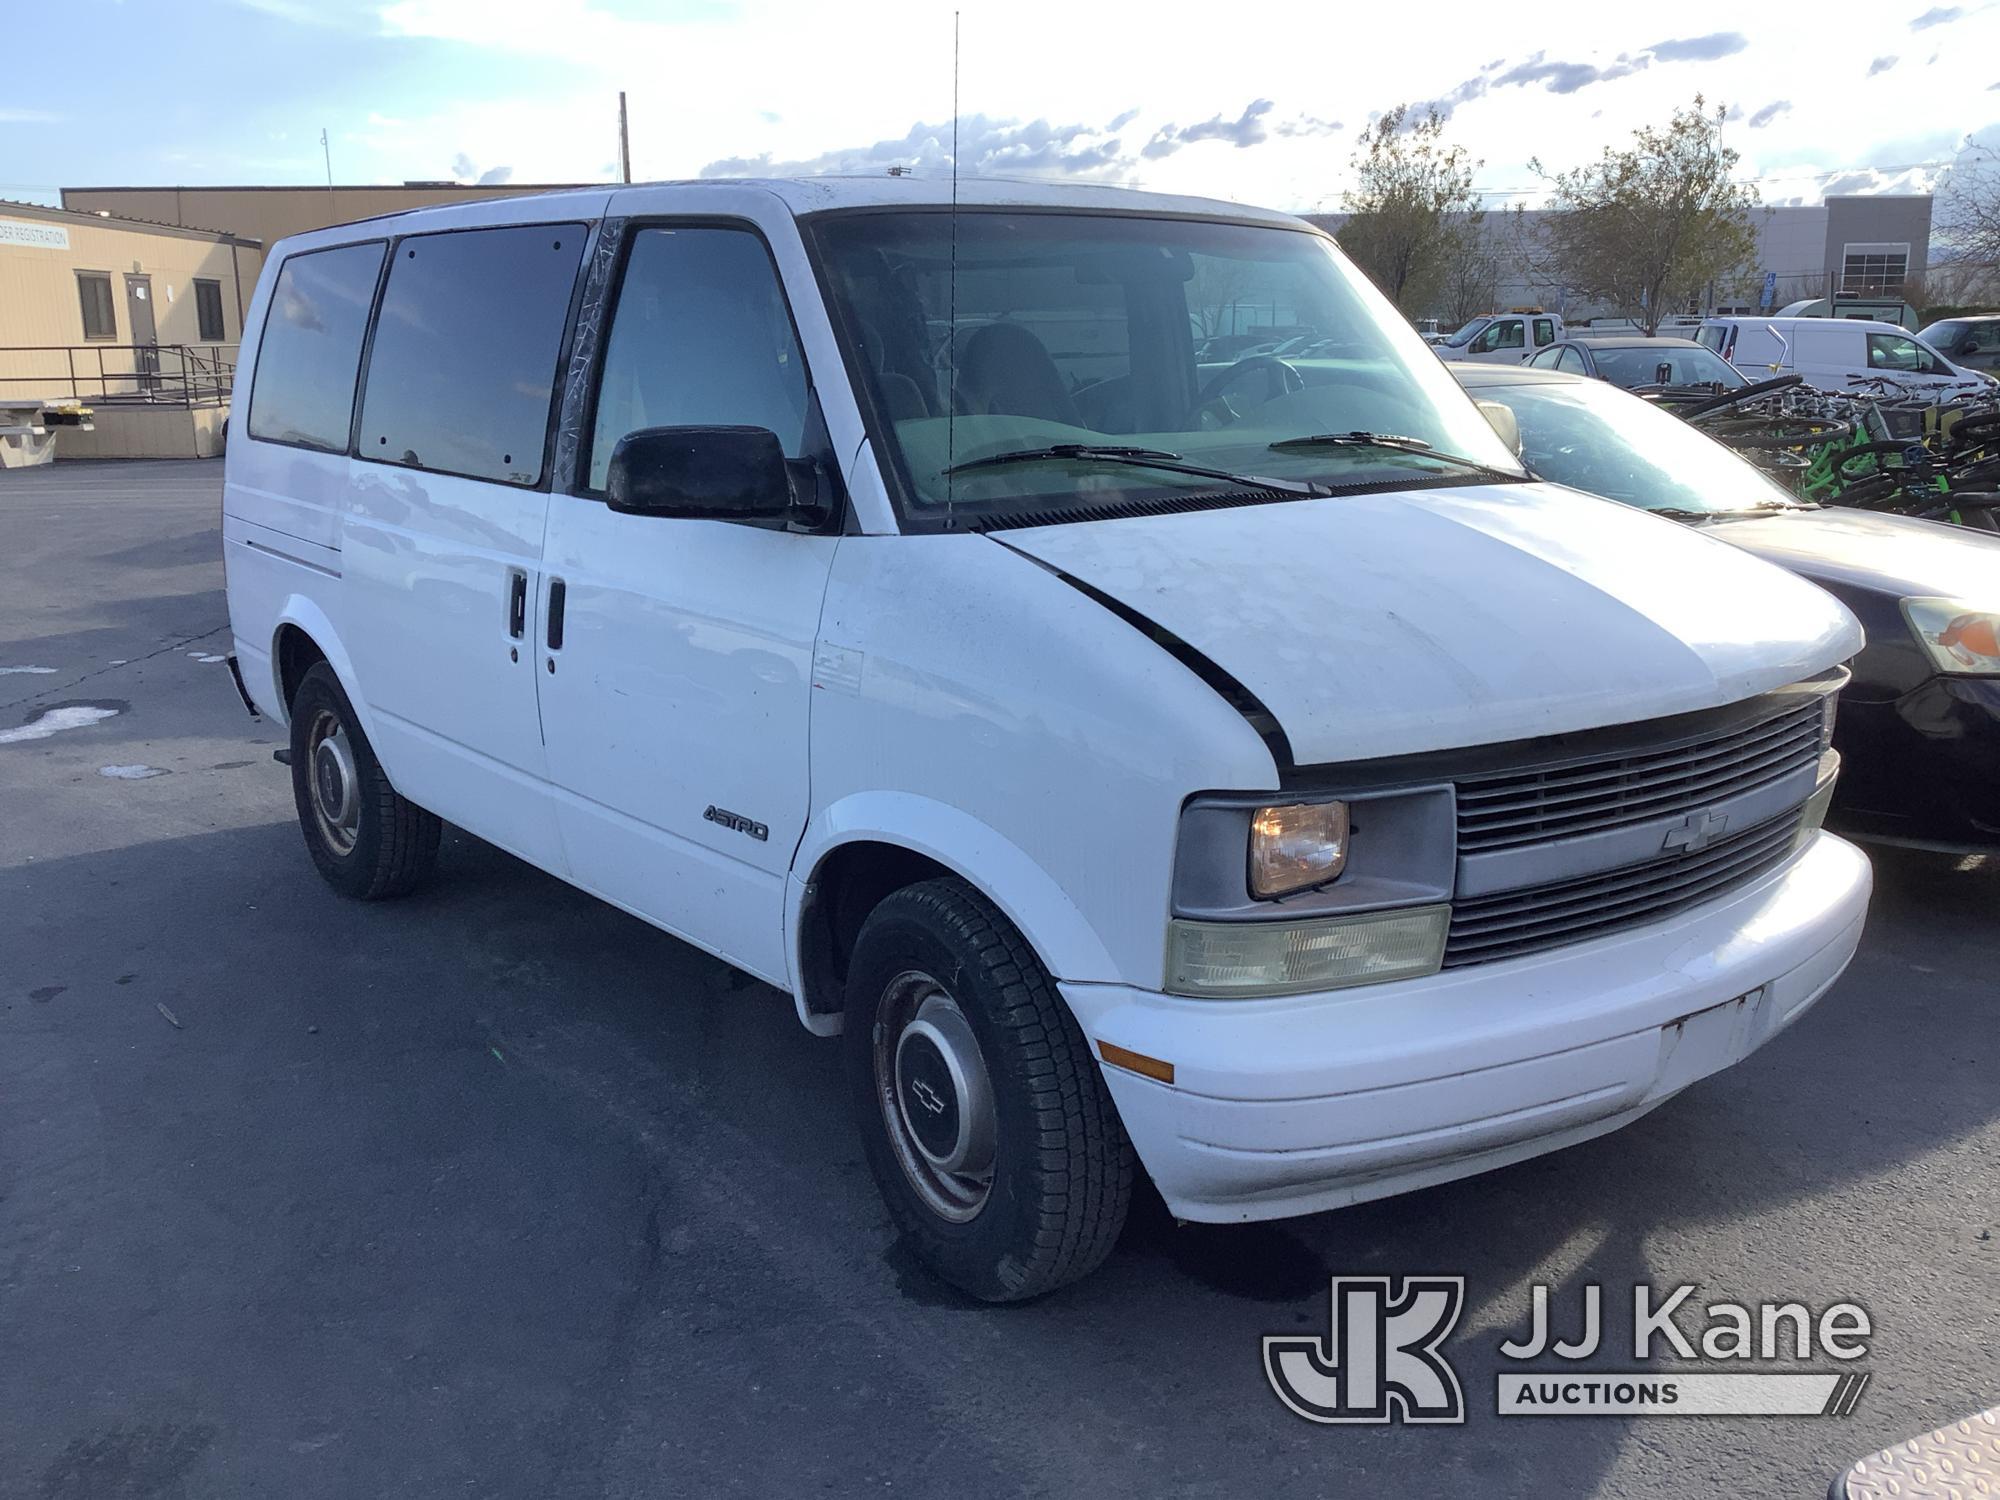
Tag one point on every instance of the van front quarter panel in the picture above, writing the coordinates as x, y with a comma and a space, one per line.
955, 672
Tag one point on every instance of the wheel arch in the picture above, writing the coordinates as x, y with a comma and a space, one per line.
303, 635
866, 846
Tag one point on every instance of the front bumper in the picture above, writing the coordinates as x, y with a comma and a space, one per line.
1923, 768
1303, 1103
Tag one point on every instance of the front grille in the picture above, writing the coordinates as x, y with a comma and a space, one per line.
1511, 923
1513, 809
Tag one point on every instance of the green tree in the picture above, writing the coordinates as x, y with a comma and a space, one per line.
1656, 225
1412, 213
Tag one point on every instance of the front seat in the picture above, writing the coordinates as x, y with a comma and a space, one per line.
1006, 371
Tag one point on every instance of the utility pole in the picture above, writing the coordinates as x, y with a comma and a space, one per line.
624, 141
326, 151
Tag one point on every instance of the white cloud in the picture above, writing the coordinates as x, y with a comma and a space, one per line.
768, 85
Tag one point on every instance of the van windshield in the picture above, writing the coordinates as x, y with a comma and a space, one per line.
1194, 341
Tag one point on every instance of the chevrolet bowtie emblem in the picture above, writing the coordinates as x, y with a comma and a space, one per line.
1695, 832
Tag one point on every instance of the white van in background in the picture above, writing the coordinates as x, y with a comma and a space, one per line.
1222, 773
1502, 338
1830, 353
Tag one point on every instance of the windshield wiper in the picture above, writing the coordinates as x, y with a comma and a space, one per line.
1140, 458
1394, 442
1763, 508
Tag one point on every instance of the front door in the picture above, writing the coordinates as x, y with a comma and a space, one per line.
145, 332
676, 655
1504, 341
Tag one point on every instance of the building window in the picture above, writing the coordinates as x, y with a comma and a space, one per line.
99, 319
1874, 270
208, 311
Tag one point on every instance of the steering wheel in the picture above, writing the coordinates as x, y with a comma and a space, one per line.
1283, 381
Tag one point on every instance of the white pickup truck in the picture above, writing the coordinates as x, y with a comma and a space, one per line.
1503, 338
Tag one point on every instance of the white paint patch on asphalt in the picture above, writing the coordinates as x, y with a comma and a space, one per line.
10, 671
204, 656
54, 722
130, 773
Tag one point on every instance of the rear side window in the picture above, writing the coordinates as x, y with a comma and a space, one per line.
463, 367
1545, 331
311, 349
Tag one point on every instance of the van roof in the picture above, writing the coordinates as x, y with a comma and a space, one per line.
1754, 321
810, 195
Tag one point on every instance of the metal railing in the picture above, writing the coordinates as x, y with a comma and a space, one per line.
119, 374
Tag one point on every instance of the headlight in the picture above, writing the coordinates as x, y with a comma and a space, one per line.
1296, 847
1958, 639
1242, 960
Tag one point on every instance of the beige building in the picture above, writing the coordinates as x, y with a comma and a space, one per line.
269, 214
139, 321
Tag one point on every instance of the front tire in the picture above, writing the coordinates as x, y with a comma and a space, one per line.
987, 1124
366, 840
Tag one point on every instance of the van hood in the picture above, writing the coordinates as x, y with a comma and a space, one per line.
1387, 624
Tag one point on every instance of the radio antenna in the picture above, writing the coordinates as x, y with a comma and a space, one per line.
951, 327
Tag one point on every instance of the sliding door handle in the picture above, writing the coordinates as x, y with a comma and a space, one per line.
558, 596
517, 602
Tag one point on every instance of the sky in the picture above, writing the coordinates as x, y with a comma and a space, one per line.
1260, 102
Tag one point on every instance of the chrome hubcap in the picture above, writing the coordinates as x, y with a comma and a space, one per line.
336, 801
936, 1099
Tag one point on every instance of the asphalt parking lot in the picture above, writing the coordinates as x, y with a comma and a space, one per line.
497, 1191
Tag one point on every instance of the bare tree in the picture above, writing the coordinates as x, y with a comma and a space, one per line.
1810, 287
1968, 206
1218, 286
1650, 228
1471, 279
1412, 211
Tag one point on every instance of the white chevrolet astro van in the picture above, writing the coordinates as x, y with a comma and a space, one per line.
1241, 772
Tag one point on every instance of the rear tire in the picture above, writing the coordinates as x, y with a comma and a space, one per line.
986, 1121
367, 841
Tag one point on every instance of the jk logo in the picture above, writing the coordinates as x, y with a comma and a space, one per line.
1380, 1360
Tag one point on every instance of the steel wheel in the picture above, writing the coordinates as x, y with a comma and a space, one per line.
936, 1099
336, 792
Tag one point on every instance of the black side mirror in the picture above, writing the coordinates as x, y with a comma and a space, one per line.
700, 473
